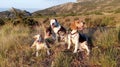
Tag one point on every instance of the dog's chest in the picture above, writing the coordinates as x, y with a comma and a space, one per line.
74, 38
56, 29
40, 45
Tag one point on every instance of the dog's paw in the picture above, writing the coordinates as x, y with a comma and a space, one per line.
75, 52
68, 48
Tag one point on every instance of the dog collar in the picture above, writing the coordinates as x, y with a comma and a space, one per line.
74, 33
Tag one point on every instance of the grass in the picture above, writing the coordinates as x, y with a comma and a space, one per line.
15, 48
11, 44
62, 60
107, 51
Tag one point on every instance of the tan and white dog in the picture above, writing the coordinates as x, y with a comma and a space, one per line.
40, 43
80, 40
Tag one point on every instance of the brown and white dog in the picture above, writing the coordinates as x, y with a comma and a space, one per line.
40, 43
58, 30
80, 40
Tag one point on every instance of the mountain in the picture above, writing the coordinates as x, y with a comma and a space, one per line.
81, 6
11, 13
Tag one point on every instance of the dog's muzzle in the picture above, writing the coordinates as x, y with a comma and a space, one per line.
53, 25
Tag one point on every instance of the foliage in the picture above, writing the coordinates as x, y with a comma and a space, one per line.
1, 22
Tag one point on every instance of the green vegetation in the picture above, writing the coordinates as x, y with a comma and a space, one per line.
20, 18
2, 22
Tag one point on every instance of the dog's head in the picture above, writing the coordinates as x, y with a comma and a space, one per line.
38, 37
54, 23
77, 25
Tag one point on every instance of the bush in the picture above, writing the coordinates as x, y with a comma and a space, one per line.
1, 22
29, 22
25, 21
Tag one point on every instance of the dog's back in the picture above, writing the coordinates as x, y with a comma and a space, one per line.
82, 37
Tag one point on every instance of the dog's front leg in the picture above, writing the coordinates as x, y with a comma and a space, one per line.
69, 42
48, 52
76, 46
46, 46
36, 53
57, 38
84, 46
34, 44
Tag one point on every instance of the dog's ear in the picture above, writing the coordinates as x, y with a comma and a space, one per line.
56, 20
73, 26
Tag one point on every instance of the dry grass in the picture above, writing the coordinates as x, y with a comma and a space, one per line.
15, 48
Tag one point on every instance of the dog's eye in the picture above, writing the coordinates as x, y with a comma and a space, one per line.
78, 22
83, 22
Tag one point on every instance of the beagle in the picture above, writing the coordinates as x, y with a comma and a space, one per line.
56, 30
40, 43
80, 40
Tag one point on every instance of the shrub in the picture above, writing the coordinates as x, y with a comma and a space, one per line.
25, 21
29, 22
1, 22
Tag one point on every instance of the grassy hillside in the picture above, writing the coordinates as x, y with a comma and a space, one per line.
15, 49
103, 31
108, 6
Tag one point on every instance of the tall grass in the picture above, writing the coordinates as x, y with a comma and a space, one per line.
107, 51
12, 40
62, 60
15, 50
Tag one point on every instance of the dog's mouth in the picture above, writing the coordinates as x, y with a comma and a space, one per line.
53, 25
39, 41
80, 28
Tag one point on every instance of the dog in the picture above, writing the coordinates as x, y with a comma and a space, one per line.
56, 30
40, 43
80, 40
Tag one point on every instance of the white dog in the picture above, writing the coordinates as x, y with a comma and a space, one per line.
76, 38
39, 43
58, 30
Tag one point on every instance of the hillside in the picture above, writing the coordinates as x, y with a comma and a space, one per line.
81, 6
11, 14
